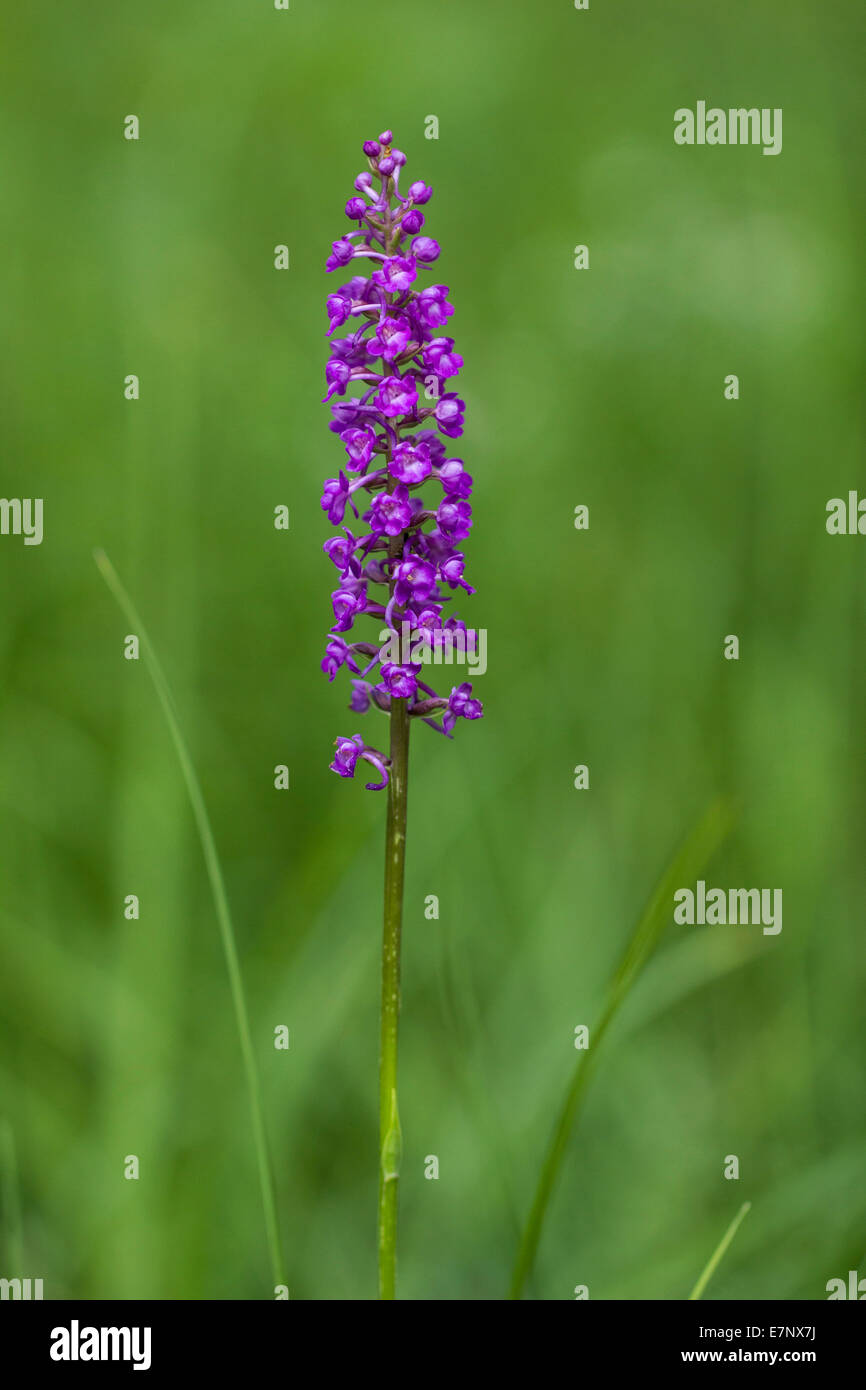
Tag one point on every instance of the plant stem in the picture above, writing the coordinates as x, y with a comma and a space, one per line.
713, 1263
390, 1138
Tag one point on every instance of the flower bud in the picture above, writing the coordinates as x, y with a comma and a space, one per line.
412, 221
424, 248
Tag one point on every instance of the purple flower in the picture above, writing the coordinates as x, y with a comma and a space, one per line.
399, 681
347, 604
460, 706
359, 700
336, 655
346, 414
449, 415
432, 307
455, 518
347, 754
441, 359
454, 478
340, 549
342, 252
397, 274
359, 446
339, 309
397, 396
451, 569
414, 580
390, 339
404, 569
410, 463
335, 497
337, 375
349, 750
433, 444
390, 513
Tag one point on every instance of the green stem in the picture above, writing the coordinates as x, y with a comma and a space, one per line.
214, 872
390, 1138
713, 1263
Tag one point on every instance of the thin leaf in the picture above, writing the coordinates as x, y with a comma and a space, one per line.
694, 854
214, 872
715, 1258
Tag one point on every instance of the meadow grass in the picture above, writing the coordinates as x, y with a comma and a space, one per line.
705, 839
221, 905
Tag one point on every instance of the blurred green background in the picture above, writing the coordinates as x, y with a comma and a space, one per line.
602, 387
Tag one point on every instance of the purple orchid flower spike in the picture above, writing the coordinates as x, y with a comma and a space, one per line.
398, 553
399, 363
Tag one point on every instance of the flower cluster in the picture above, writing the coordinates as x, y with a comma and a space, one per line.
405, 564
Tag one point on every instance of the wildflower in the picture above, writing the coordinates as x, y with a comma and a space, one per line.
405, 565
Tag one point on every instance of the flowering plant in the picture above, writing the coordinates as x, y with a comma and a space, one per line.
398, 556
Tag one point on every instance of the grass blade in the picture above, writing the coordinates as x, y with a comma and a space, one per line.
694, 854
214, 873
712, 1264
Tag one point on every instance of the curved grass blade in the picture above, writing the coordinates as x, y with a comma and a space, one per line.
696, 851
715, 1258
214, 873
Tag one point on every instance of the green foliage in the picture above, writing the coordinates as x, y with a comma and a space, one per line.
601, 387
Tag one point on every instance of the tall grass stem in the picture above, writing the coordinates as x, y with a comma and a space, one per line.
718, 1253
217, 884
696, 851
